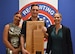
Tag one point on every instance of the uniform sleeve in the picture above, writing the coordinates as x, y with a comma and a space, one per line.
23, 30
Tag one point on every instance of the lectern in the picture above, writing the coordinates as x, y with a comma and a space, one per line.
35, 37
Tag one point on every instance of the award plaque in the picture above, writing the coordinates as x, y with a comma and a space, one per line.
35, 37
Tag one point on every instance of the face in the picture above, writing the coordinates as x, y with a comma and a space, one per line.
34, 11
57, 18
17, 18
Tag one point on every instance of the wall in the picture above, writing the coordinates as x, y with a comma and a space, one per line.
7, 9
67, 8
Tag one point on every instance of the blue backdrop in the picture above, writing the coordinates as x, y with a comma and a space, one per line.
67, 8
9, 7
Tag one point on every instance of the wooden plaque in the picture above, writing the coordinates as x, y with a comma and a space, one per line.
35, 37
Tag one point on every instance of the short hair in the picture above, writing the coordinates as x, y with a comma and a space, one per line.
34, 5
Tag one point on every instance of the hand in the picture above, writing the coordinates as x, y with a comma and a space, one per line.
44, 29
25, 51
15, 51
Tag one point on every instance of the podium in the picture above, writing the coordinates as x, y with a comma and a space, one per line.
35, 37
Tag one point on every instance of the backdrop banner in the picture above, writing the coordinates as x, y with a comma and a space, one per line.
47, 9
